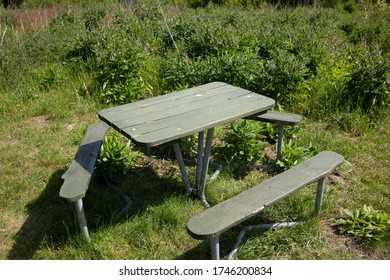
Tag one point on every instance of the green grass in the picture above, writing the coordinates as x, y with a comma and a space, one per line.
46, 105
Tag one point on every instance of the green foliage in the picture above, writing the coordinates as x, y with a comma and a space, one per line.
237, 49
292, 154
352, 122
116, 59
368, 86
315, 61
365, 224
243, 143
269, 131
188, 145
116, 157
350, 6
31, 4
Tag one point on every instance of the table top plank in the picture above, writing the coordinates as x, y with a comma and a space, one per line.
134, 113
163, 101
206, 118
173, 116
176, 108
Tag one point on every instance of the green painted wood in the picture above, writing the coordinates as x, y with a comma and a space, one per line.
173, 116
162, 99
157, 104
175, 108
279, 118
233, 211
79, 173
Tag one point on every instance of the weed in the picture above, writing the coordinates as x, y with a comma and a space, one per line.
292, 154
365, 224
116, 157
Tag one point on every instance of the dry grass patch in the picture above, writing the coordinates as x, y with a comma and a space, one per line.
33, 20
339, 245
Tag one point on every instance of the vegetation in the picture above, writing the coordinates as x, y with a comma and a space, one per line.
325, 60
367, 224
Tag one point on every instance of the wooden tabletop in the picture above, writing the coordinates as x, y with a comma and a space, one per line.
166, 118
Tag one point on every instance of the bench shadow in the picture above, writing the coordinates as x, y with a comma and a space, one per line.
45, 217
53, 220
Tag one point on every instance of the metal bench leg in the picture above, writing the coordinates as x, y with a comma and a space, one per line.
183, 171
280, 141
319, 195
82, 219
214, 242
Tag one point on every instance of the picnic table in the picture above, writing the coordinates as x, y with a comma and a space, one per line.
168, 118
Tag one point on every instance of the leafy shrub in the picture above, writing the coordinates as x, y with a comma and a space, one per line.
243, 145
292, 154
318, 61
116, 157
114, 54
368, 86
365, 224
350, 6
180, 31
118, 61
269, 131
92, 18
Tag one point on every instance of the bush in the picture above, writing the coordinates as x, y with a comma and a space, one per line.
116, 157
368, 86
243, 143
114, 53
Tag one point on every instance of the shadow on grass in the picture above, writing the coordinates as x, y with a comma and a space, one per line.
52, 221
45, 218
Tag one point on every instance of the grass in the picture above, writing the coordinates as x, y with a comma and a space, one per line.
43, 120
36, 224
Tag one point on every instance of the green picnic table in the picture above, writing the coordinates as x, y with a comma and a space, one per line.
168, 118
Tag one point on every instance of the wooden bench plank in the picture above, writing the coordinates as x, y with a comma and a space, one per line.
275, 117
241, 207
78, 175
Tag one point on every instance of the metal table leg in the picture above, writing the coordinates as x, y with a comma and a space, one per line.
202, 164
199, 159
182, 167
205, 166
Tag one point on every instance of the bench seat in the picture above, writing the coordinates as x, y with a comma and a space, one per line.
275, 117
231, 212
79, 173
